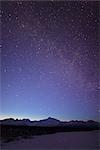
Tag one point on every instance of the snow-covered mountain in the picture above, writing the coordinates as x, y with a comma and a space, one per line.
46, 122
49, 122
12, 121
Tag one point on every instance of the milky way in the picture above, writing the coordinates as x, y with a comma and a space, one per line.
50, 60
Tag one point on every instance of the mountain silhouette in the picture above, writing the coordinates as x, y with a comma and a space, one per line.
49, 122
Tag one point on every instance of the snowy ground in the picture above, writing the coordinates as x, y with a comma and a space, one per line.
61, 141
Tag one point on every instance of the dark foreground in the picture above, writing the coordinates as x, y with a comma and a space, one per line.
87, 140
13, 132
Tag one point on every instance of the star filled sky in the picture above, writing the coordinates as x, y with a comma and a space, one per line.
49, 59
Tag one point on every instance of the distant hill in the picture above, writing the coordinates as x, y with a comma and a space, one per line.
50, 122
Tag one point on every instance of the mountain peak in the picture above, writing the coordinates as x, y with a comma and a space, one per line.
50, 118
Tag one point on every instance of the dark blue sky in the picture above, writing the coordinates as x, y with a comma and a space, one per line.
49, 60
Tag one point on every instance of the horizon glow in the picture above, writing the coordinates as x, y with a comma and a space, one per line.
49, 60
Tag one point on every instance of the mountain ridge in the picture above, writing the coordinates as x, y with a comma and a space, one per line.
48, 122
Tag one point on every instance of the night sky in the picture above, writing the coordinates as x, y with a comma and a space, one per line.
50, 60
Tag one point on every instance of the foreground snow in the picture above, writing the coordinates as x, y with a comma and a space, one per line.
67, 140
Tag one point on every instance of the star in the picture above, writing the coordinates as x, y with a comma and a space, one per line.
50, 58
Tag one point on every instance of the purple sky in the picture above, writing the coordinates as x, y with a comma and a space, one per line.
49, 53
